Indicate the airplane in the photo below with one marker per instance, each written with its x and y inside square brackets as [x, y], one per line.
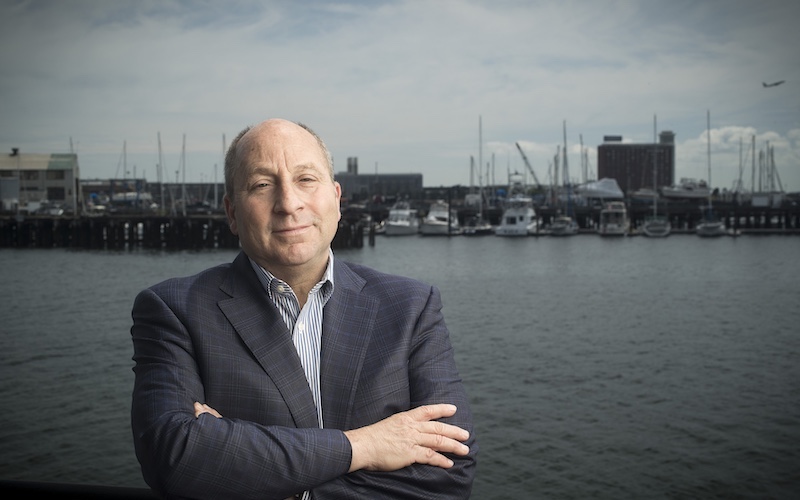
[772, 84]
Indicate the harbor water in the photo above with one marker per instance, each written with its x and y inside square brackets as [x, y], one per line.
[596, 368]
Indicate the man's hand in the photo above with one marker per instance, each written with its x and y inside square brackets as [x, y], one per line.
[406, 438]
[199, 409]
[398, 441]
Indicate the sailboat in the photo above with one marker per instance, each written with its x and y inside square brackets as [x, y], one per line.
[656, 226]
[710, 225]
[477, 225]
[564, 224]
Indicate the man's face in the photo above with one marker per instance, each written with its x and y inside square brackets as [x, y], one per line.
[285, 209]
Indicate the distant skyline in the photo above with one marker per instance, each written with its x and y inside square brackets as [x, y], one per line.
[401, 84]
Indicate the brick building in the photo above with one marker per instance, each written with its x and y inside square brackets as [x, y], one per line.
[632, 164]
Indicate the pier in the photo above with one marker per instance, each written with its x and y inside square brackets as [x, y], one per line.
[208, 231]
[130, 231]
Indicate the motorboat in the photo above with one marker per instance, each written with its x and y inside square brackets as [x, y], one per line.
[519, 217]
[402, 220]
[614, 220]
[563, 225]
[441, 220]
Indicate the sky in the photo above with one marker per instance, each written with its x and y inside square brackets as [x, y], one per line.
[428, 87]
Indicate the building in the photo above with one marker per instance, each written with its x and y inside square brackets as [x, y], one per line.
[632, 164]
[361, 187]
[32, 181]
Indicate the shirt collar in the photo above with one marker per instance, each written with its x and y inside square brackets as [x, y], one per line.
[270, 282]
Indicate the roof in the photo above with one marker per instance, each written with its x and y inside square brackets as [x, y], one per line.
[38, 161]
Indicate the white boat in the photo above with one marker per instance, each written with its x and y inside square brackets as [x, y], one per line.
[519, 217]
[614, 220]
[440, 221]
[402, 220]
[604, 189]
[687, 188]
[710, 225]
[563, 225]
[656, 226]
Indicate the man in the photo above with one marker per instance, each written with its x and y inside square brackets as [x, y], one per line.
[289, 372]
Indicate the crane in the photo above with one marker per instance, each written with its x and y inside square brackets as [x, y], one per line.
[528, 164]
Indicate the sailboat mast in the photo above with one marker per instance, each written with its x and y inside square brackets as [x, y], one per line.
[565, 170]
[708, 153]
[655, 183]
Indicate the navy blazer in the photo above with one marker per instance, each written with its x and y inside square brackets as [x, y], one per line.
[217, 338]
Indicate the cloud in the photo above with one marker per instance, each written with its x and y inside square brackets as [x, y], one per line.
[400, 84]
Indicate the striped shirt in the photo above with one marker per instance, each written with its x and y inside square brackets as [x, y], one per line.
[305, 324]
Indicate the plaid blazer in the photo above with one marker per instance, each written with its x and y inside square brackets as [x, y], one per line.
[217, 338]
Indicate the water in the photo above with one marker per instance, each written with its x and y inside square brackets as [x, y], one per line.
[622, 368]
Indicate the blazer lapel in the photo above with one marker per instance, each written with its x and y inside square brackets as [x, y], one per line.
[263, 331]
[347, 324]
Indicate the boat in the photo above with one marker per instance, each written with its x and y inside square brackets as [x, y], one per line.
[519, 217]
[402, 220]
[687, 189]
[477, 226]
[603, 189]
[710, 225]
[440, 220]
[656, 226]
[563, 225]
[614, 220]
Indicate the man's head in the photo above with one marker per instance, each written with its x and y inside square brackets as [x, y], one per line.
[280, 196]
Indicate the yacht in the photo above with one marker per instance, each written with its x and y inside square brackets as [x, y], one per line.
[440, 221]
[614, 220]
[519, 217]
[402, 220]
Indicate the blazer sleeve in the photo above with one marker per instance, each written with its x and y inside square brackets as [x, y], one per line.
[186, 457]
[410, 362]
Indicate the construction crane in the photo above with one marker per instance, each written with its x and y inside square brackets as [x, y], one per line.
[528, 164]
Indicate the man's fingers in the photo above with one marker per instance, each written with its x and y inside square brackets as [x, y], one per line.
[200, 408]
[432, 412]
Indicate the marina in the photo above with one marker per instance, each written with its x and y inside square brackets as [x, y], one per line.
[205, 231]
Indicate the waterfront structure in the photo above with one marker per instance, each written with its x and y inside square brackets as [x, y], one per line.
[632, 164]
[359, 187]
[30, 182]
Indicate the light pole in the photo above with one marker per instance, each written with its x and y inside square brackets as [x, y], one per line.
[15, 152]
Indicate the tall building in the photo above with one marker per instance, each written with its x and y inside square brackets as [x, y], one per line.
[632, 164]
